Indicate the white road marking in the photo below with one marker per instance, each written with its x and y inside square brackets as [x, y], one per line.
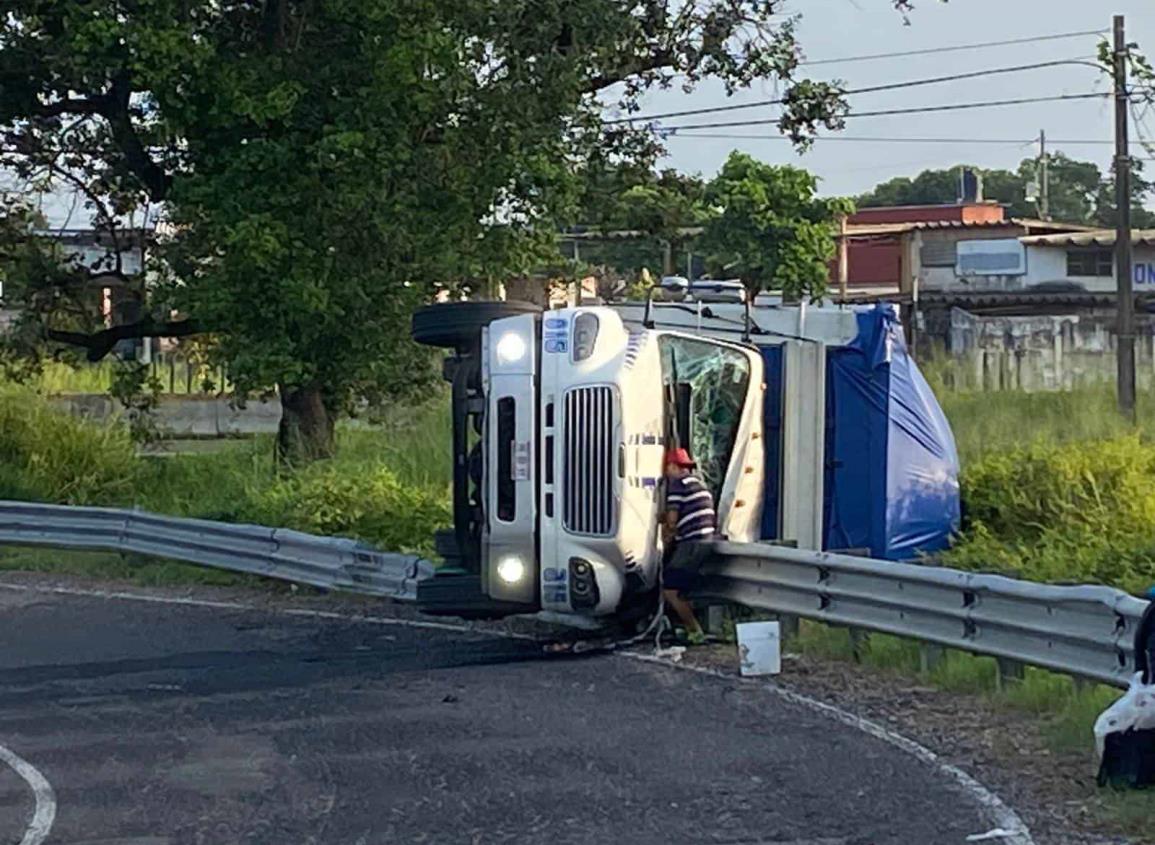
[999, 813]
[45, 813]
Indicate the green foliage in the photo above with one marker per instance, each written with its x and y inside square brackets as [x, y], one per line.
[137, 390]
[770, 229]
[373, 506]
[1077, 512]
[1079, 192]
[325, 165]
[390, 486]
[50, 457]
[1057, 486]
[1028, 491]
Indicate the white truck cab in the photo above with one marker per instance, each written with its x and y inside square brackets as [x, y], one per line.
[561, 422]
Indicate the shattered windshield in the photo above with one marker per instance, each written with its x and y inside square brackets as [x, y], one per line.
[713, 381]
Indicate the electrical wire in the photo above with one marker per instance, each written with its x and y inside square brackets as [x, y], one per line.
[892, 86]
[862, 139]
[886, 112]
[952, 49]
[1022, 142]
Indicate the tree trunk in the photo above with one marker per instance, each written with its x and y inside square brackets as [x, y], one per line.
[306, 430]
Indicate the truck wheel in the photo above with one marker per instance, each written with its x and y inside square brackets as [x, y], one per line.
[457, 325]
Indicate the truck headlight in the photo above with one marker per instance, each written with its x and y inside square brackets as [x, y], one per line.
[511, 348]
[511, 569]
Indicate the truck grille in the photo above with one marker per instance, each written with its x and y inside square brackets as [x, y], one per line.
[589, 461]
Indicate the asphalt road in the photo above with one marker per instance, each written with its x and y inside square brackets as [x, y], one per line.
[159, 724]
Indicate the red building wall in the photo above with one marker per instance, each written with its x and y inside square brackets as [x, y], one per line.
[971, 213]
[874, 262]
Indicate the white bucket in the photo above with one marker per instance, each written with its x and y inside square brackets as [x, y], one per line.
[760, 648]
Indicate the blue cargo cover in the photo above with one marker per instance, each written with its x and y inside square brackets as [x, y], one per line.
[891, 463]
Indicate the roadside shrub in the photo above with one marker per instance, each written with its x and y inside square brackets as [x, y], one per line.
[53, 457]
[372, 505]
[1076, 512]
[1102, 486]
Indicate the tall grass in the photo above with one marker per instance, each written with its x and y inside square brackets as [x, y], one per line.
[47, 456]
[59, 378]
[997, 421]
[176, 376]
[389, 484]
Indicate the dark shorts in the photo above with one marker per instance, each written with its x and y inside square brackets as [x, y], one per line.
[683, 565]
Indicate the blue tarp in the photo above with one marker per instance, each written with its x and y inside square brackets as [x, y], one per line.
[891, 463]
[772, 437]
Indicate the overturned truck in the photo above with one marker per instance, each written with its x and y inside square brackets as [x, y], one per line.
[811, 426]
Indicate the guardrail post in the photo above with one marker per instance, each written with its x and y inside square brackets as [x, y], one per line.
[789, 626]
[859, 642]
[930, 656]
[1011, 672]
[716, 619]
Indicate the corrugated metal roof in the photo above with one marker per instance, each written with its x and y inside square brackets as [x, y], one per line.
[1096, 237]
[868, 229]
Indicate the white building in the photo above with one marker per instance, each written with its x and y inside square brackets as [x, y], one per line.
[1066, 261]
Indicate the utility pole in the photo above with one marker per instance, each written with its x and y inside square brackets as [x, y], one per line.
[1125, 297]
[1044, 178]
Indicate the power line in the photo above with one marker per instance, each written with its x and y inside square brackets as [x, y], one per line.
[892, 86]
[894, 140]
[953, 49]
[885, 112]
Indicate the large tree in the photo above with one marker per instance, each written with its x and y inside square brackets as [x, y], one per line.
[321, 164]
[770, 229]
[655, 208]
[1079, 191]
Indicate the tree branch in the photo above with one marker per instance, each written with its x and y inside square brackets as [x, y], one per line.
[99, 344]
[656, 61]
[154, 178]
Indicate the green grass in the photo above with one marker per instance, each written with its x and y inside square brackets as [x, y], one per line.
[58, 378]
[993, 422]
[389, 484]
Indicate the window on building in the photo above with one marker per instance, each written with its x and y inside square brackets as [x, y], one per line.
[1097, 261]
[939, 253]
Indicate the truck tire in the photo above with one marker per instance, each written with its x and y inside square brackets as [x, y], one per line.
[457, 325]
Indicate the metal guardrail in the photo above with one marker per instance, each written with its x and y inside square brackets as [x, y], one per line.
[327, 562]
[1085, 631]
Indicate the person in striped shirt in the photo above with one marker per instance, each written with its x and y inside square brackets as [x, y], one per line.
[688, 528]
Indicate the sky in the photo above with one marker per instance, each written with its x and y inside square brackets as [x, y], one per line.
[834, 29]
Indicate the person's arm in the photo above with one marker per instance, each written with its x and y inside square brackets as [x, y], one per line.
[669, 525]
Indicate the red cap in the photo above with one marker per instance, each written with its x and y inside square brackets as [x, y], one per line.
[680, 457]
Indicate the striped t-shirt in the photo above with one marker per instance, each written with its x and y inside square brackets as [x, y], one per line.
[695, 507]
